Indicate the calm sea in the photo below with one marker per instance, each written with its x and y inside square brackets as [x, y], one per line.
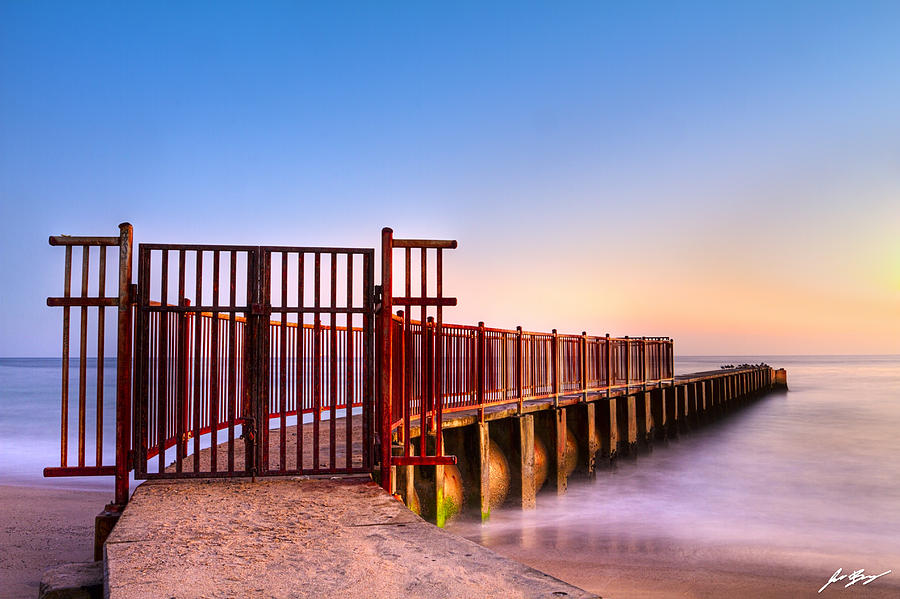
[30, 408]
[806, 479]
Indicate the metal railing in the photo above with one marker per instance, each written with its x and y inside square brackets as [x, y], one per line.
[211, 380]
[84, 301]
[483, 367]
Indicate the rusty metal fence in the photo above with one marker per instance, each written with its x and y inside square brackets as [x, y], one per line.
[84, 301]
[483, 367]
[265, 360]
[238, 357]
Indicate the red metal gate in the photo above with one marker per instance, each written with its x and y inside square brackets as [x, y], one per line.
[255, 360]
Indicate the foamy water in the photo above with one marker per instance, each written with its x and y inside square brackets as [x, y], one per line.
[808, 478]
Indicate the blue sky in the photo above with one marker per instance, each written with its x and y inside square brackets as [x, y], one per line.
[726, 174]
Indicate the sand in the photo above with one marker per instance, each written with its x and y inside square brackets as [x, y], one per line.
[41, 527]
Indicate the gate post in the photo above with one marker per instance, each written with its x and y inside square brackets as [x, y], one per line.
[554, 372]
[386, 367]
[123, 366]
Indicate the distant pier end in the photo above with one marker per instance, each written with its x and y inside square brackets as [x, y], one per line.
[781, 378]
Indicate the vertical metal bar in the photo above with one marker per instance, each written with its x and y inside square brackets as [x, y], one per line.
[609, 367]
[64, 411]
[82, 359]
[644, 362]
[101, 321]
[368, 360]
[182, 389]
[317, 364]
[214, 368]
[301, 366]
[249, 364]
[554, 361]
[182, 374]
[439, 360]
[424, 425]
[333, 370]
[264, 360]
[584, 385]
[198, 362]
[123, 366]
[407, 353]
[428, 377]
[349, 369]
[479, 370]
[627, 363]
[405, 378]
[282, 454]
[162, 361]
[386, 326]
[139, 375]
[520, 364]
[232, 360]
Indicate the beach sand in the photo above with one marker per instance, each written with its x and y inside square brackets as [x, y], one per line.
[41, 527]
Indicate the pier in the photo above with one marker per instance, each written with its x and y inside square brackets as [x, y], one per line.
[278, 366]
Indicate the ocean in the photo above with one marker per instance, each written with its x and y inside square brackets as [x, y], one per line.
[30, 420]
[807, 479]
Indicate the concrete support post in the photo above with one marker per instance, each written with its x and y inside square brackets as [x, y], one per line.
[672, 413]
[694, 402]
[644, 416]
[592, 439]
[560, 450]
[408, 487]
[440, 503]
[689, 412]
[609, 427]
[658, 411]
[627, 418]
[681, 406]
[484, 469]
[526, 440]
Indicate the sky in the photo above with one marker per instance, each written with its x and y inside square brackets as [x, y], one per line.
[727, 174]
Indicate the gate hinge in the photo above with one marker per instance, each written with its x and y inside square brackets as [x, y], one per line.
[256, 309]
[132, 294]
[378, 297]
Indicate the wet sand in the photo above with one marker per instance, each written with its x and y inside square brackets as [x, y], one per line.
[630, 575]
[42, 527]
[623, 568]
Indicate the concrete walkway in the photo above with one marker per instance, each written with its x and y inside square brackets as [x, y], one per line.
[299, 538]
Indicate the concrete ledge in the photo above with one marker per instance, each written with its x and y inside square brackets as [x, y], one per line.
[73, 581]
[299, 538]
